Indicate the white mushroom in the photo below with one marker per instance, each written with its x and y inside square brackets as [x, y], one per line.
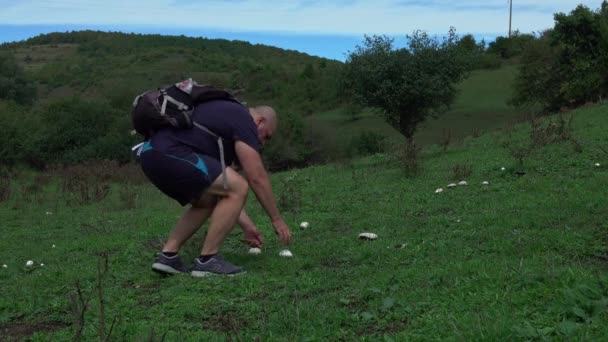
[463, 183]
[304, 225]
[255, 250]
[502, 168]
[368, 236]
[285, 253]
[438, 190]
[597, 164]
[29, 263]
[5, 266]
[485, 183]
[452, 185]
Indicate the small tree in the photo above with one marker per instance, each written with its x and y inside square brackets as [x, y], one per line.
[406, 84]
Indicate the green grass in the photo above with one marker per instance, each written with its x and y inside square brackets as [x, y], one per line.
[481, 105]
[521, 259]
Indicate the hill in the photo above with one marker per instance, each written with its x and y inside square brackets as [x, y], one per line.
[522, 258]
[104, 71]
[117, 63]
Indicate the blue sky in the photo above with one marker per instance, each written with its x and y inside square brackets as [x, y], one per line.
[323, 28]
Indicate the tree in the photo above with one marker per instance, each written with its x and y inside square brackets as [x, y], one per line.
[568, 65]
[509, 47]
[537, 83]
[406, 84]
[581, 39]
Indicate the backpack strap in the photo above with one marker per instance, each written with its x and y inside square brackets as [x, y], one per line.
[168, 98]
[220, 142]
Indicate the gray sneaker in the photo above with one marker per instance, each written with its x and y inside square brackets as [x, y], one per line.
[168, 265]
[215, 266]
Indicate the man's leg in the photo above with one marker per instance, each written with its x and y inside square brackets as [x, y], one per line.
[190, 221]
[226, 211]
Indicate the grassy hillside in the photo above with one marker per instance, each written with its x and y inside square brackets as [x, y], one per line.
[117, 66]
[481, 105]
[523, 258]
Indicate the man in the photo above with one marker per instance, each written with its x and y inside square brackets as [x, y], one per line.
[185, 165]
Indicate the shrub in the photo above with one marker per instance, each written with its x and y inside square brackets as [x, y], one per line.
[460, 172]
[5, 185]
[489, 61]
[407, 156]
[367, 142]
[14, 85]
[76, 130]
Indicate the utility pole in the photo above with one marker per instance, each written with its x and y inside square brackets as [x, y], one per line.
[510, 15]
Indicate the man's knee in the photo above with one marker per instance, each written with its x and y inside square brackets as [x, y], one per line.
[237, 184]
[206, 201]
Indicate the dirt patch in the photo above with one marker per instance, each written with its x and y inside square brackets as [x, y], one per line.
[154, 245]
[224, 322]
[380, 330]
[334, 263]
[316, 293]
[17, 331]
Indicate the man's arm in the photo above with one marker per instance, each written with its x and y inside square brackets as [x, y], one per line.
[245, 222]
[259, 181]
[252, 235]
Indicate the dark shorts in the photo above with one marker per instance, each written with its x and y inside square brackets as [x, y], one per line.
[182, 177]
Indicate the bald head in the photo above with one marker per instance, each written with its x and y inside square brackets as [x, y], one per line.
[266, 112]
[265, 119]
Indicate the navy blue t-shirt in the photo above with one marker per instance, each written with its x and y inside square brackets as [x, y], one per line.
[228, 119]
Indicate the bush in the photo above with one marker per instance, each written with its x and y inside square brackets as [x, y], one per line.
[367, 142]
[287, 149]
[489, 61]
[12, 133]
[13, 83]
[75, 130]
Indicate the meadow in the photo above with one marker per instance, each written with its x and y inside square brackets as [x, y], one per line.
[522, 258]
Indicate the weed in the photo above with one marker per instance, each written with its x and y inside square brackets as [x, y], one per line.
[407, 156]
[461, 171]
[553, 131]
[290, 198]
[367, 142]
[128, 196]
[446, 139]
[80, 303]
[84, 184]
[477, 132]
[5, 186]
[518, 149]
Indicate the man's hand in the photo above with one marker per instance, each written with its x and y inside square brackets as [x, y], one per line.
[280, 227]
[253, 237]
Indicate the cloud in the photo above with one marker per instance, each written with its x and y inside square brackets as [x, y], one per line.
[347, 17]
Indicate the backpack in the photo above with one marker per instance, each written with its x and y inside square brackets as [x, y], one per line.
[172, 106]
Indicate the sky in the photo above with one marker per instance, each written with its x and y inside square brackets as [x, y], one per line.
[323, 28]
